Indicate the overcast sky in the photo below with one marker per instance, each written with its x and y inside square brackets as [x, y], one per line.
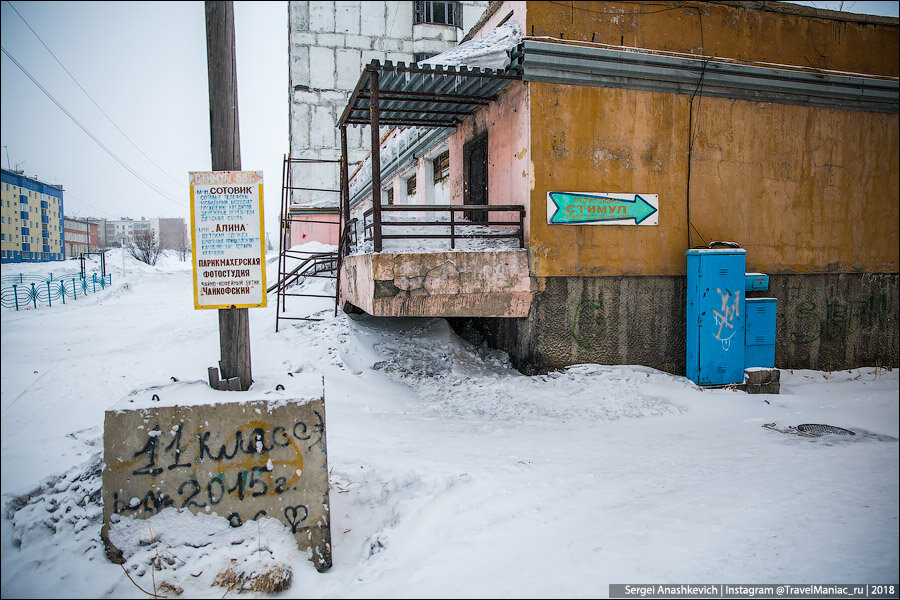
[144, 64]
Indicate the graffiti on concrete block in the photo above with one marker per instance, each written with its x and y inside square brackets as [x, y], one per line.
[835, 318]
[258, 459]
[240, 461]
[588, 324]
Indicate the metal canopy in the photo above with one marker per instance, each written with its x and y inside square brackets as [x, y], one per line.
[424, 96]
[416, 96]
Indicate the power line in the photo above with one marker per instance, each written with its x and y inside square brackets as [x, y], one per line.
[140, 177]
[119, 129]
[80, 201]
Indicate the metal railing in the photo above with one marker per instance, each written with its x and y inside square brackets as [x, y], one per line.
[32, 289]
[473, 222]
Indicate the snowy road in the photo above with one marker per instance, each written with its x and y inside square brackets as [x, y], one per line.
[452, 474]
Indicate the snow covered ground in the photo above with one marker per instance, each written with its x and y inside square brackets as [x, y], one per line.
[452, 475]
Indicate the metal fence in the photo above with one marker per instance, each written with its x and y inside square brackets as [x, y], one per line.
[21, 292]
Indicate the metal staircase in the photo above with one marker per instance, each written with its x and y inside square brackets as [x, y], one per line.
[312, 264]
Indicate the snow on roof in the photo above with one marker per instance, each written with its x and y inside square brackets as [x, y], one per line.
[490, 51]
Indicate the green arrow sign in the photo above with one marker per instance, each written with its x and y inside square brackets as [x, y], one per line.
[602, 209]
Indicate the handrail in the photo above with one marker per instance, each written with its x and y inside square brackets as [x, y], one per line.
[452, 222]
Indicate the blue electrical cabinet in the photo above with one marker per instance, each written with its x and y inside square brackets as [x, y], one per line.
[715, 315]
[760, 332]
[756, 282]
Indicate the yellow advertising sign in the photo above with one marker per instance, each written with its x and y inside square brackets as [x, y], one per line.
[227, 239]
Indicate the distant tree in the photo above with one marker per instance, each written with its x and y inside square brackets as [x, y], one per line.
[183, 250]
[145, 247]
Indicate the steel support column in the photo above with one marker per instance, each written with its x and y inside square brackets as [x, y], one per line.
[376, 161]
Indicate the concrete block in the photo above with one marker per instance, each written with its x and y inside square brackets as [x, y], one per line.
[298, 15]
[300, 66]
[331, 40]
[302, 38]
[335, 99]
[426, 31]
[322, 132]
[391, 45]
[398, 57]
[321, 68]
[239, 455]
[346, 17]
[304, 98]
[760, 376]
[369, 55]
[321, 16]
[360, 42]
[300, 126]
[400, 19]
[372, 19]
[764, 388]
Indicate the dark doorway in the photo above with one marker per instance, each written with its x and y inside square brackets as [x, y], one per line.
[475, 164]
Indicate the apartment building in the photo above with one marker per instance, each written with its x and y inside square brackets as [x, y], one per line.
[31, 219]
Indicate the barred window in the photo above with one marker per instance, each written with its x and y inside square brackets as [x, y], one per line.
[442, 167]
[411, 186]
[439, 13]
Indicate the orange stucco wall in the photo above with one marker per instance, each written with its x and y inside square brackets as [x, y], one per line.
[804, 189]
[786, 34]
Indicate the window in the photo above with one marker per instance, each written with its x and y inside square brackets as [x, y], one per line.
[411, 186]
[442, 167]
[389, 196]
[439, 13]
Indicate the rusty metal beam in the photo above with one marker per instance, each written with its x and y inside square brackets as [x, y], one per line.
[376, 161]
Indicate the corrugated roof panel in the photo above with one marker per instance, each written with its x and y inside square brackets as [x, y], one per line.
[430, 96]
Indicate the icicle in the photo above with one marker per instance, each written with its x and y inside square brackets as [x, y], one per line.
[407, 76]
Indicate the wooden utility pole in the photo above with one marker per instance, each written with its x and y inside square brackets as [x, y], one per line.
[225, 142]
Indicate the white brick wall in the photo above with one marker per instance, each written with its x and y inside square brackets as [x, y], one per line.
[330, 43]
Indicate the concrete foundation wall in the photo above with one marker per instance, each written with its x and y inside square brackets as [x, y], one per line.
[438, 284]
[827, 322]
[836, 321]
